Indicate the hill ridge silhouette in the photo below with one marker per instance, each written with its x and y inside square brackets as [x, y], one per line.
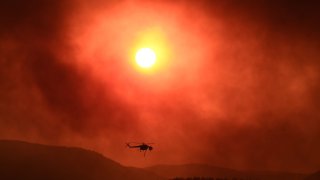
[314, 176]
[207, 170]
[23, 160]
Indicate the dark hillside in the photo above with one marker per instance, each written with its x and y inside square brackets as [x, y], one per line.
[202, 170]
[315, 176]
[21, 160]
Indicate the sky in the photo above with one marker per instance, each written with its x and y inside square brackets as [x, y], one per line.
[236, 83]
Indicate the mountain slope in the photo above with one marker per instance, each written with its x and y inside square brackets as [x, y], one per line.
[21, 160]
[315, 176]
[201, 170]
[192, 170]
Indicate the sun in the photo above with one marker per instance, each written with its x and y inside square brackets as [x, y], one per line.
[145, 57]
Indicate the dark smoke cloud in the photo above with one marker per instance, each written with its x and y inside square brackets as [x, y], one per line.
[241, 90]
[45, 97]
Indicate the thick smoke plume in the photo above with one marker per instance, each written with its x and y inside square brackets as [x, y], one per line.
[238, 85]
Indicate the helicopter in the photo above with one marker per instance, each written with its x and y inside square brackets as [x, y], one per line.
[142, 147]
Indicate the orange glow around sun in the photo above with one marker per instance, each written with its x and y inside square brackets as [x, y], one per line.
[151, 50]
[139, 45]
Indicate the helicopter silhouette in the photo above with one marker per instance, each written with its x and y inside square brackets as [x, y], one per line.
[142, 147]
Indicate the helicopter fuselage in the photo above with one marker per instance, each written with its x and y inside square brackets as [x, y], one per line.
[142, 147]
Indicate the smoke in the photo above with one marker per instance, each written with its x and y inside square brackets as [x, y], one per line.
[237, 85]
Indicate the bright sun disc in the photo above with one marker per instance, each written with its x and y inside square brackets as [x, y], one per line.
[145, 57]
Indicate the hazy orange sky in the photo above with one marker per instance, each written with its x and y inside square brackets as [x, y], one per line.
[236, 83]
